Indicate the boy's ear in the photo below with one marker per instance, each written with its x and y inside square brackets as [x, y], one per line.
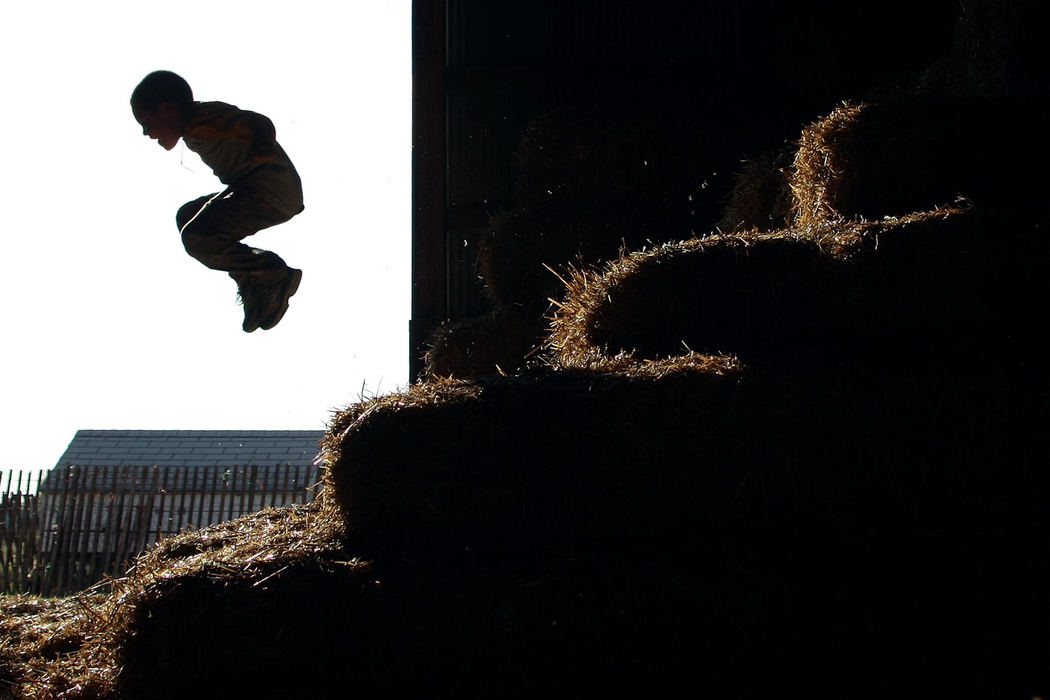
[170, 112]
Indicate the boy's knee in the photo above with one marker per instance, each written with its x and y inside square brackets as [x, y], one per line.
[203, 243]
[189, 210]
[194, 243]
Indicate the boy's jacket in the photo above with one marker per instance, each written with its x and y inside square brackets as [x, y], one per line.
[236, 142]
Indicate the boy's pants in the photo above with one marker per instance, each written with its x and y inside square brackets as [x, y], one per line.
[213, 226]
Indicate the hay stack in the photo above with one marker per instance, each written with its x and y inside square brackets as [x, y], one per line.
[269, 606]
[869, 255]
[549, 461]
[497, 342]
[930, 280]
[210, 611]
[697, 516]
[760, 199]
[589, 183]
[893, 158]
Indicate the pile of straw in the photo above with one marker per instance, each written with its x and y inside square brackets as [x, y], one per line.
[496, 342]
[39, 638]
[760, 199]
[898, 156]
[881, 233]
[929, 279]
[207, 611]
[589, 183]
[892, 158]
[544, 461]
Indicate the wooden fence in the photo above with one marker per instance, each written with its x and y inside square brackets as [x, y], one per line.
[63, 530]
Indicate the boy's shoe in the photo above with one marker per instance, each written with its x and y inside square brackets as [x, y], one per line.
[276, 298]
[248, 295]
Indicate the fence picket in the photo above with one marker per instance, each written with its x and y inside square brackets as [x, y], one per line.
[86, 522]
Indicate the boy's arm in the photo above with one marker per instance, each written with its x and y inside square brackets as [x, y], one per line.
[219, 122]
[263, 137]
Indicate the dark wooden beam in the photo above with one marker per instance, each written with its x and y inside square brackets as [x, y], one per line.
[429, 266]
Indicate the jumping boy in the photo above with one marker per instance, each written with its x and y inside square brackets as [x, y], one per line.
[262, 190]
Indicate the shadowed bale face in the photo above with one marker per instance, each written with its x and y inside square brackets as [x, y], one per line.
[866, 293]
[738, 298]
[562, 461]
[899, 156]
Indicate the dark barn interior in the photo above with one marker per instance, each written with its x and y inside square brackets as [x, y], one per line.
[694, 87]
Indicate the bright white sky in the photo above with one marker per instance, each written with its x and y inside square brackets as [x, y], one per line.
[107, 323]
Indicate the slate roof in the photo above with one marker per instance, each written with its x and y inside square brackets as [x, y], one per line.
[191, 448]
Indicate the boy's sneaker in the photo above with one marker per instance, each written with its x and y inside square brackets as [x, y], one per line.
[248, 296]
[276, 298]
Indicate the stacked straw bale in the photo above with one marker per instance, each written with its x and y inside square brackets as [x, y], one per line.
[759, 199]
[872, 253]
[558, 461]
[893, 158]
[692, 516]
[209, 612]
[589, 183]
[927, 281]
[899, 156]
[494, 342]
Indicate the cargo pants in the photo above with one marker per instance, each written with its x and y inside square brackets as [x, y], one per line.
[213, 227]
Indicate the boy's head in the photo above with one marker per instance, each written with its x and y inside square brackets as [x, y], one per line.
[160, 104]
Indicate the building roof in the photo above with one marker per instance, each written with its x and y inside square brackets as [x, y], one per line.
[191, 448]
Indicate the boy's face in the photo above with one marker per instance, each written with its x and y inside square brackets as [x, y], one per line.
[162, 124]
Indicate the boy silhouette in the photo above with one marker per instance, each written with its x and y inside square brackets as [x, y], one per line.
[262, 190]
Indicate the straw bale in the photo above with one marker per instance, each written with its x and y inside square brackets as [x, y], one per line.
[512, 257]
[522, 243]
[724, 294]
[899, 156]
[496, 342]
[278, 631]
[269, 606]
[840, 288]
[774, 516]
[894, 157]
[463, 626]
[544, 460]
[106, 642]
[760, 198]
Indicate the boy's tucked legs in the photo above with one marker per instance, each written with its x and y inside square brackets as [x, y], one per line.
[212, 228]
